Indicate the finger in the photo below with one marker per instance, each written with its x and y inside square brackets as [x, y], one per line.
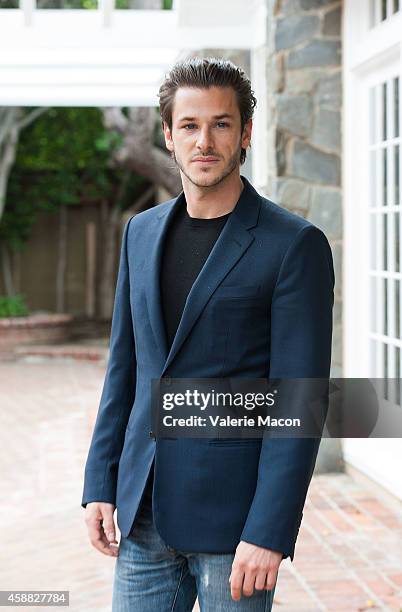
[94, 528]
[261, 581]
[236, 583]
[249, 581]
[101, 543]
[108, 527]
[271, 578]
[106, 541]
[99, 540]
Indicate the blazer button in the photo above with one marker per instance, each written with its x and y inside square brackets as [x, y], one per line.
[151, 434]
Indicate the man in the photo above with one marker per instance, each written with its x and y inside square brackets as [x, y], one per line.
[217, 282]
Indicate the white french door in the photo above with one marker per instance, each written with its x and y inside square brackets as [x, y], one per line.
[372, 164]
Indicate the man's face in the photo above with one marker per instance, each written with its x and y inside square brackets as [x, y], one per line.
[206, 140]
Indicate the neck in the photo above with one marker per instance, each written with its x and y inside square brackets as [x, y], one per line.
[214, 201]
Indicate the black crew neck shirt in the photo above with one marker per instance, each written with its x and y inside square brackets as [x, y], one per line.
[187, 246]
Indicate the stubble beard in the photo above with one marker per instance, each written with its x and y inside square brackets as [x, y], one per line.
[207, 181]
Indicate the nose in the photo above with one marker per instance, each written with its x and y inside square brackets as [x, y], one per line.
[204, 139]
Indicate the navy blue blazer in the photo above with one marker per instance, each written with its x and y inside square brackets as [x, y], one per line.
[260, 307]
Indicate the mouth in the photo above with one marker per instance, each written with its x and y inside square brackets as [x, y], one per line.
[206, 160]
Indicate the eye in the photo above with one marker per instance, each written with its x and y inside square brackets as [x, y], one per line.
[189, 125]
[222, 124]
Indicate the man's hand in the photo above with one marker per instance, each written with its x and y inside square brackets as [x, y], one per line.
[256, 566]
[101, 529]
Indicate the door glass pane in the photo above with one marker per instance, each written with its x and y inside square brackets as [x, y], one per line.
[385, 242]
[385, 302]
[373, 177]
[383, 9]
[386, 371]
[398, 375]
[372, 114]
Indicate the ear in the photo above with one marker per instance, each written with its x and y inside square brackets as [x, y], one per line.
[168, 137]
[246, 136]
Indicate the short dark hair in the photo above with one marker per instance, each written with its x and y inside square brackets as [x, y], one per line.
[204, 73]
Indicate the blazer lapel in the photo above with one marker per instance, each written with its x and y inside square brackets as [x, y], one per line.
[152, 270]
[233, 241]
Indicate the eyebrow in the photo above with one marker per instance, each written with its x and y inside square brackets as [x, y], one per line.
[223, 116]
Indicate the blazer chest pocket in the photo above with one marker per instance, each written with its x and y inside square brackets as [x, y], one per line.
[240, 326]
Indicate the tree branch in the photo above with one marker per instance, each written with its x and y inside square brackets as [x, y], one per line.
[32, 116]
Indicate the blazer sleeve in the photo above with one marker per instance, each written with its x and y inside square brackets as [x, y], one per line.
[301, 337]
[117, 397]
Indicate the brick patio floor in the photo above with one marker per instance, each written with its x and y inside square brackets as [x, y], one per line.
[348, 554]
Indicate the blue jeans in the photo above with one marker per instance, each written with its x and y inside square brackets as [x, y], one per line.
[150, 576]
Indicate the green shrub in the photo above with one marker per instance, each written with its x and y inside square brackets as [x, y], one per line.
[14, 306]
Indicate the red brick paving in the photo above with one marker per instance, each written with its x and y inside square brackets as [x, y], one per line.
[348, 555]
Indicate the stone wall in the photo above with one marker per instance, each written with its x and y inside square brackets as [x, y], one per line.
[304, 136]
[304, 121]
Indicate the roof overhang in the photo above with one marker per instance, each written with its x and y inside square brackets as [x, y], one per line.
[109, 57]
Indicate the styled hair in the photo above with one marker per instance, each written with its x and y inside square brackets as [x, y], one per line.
[203, 73]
